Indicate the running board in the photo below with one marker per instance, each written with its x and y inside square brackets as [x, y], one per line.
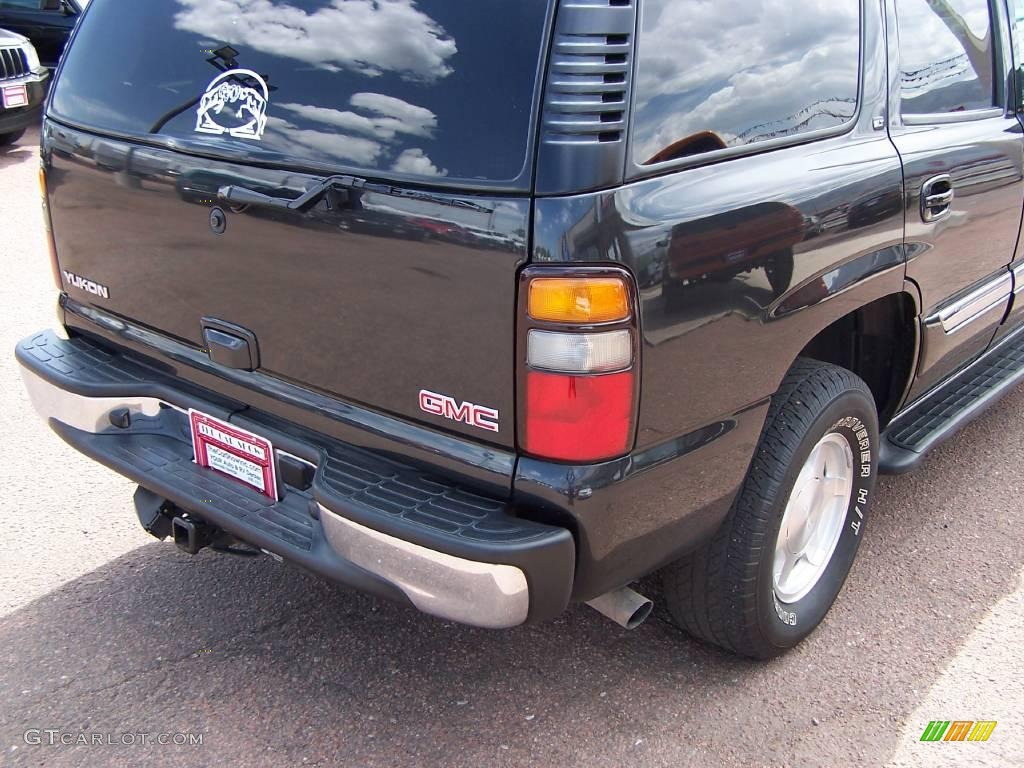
[951, 406]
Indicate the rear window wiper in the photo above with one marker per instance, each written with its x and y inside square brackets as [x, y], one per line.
[237, 196]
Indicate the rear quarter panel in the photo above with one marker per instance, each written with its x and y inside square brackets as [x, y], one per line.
[724, 342]
[717, 348]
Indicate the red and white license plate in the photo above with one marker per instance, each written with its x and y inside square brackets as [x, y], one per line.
[234, 452]
[15, 96]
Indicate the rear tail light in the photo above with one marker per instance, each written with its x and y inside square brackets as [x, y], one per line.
[579, 377]
[48, 228]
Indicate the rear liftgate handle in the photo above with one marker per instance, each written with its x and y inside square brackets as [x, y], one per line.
[937, 198]
[230, 345]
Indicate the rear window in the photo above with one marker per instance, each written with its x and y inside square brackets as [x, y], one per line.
[716, 75]
[424, 89]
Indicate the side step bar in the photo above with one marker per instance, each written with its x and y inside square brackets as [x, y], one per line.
[951, 406]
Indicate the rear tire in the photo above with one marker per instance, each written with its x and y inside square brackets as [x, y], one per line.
[820, 437]
[10, 138]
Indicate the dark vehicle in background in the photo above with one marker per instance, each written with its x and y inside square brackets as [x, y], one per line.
[385, 297]
[23, 82]
[47, 23]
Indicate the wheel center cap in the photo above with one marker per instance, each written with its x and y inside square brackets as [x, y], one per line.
[813, 520]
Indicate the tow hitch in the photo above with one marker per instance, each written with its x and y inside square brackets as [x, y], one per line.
[161, 518]
[191, 535]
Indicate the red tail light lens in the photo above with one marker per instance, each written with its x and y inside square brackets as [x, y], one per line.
[579, 375]
[578, 418]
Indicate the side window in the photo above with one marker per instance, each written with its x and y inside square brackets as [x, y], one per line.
[34, 5]
[946, 56]
[730, 73]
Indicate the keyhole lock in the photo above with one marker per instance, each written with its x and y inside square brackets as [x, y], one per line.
[218, 221]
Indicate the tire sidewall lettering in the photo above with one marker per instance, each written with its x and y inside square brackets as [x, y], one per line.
[859, 437]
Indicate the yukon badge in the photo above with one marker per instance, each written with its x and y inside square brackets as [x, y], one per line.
[231, 106]
[87, 285]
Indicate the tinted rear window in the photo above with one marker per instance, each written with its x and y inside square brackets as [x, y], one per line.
[714, 75]
[409, 88]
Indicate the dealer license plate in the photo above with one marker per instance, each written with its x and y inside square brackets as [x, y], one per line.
[15, 96]
[234, 452]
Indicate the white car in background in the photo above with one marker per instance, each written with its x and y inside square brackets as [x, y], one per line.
[23, 82]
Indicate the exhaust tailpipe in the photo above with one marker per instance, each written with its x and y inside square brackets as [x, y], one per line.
[625, 607]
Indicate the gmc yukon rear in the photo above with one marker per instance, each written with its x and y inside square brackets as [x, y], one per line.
[493, 307]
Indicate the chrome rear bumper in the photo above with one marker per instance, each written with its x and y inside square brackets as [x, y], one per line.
[480, 594]
[319, 527]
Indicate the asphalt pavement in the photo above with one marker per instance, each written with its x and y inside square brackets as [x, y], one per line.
[111, 638]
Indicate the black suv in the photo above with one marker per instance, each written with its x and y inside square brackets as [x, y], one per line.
[23, 82]
[489, 307]
[47, 23]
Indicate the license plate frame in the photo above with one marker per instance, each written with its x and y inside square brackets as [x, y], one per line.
[237, 453]
[15, 96]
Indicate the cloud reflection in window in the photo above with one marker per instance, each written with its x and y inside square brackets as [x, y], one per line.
[771, 71]
[416, 162]
[367, 36]
[386, 120]
[416, 121]
[314, 145]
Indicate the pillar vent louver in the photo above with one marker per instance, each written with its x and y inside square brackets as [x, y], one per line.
[587, 93]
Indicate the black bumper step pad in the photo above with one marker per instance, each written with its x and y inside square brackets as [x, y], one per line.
[356, 478]
[82, 363]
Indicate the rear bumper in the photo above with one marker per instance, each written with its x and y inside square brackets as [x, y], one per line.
[356, 517]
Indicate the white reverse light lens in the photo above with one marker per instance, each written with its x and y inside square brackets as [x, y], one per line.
[33, 58]
[580, 352]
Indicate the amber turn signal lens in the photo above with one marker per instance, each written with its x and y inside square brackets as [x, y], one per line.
[579, 300]
[48, 230]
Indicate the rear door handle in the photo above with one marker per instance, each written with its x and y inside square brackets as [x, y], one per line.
[937, 197]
